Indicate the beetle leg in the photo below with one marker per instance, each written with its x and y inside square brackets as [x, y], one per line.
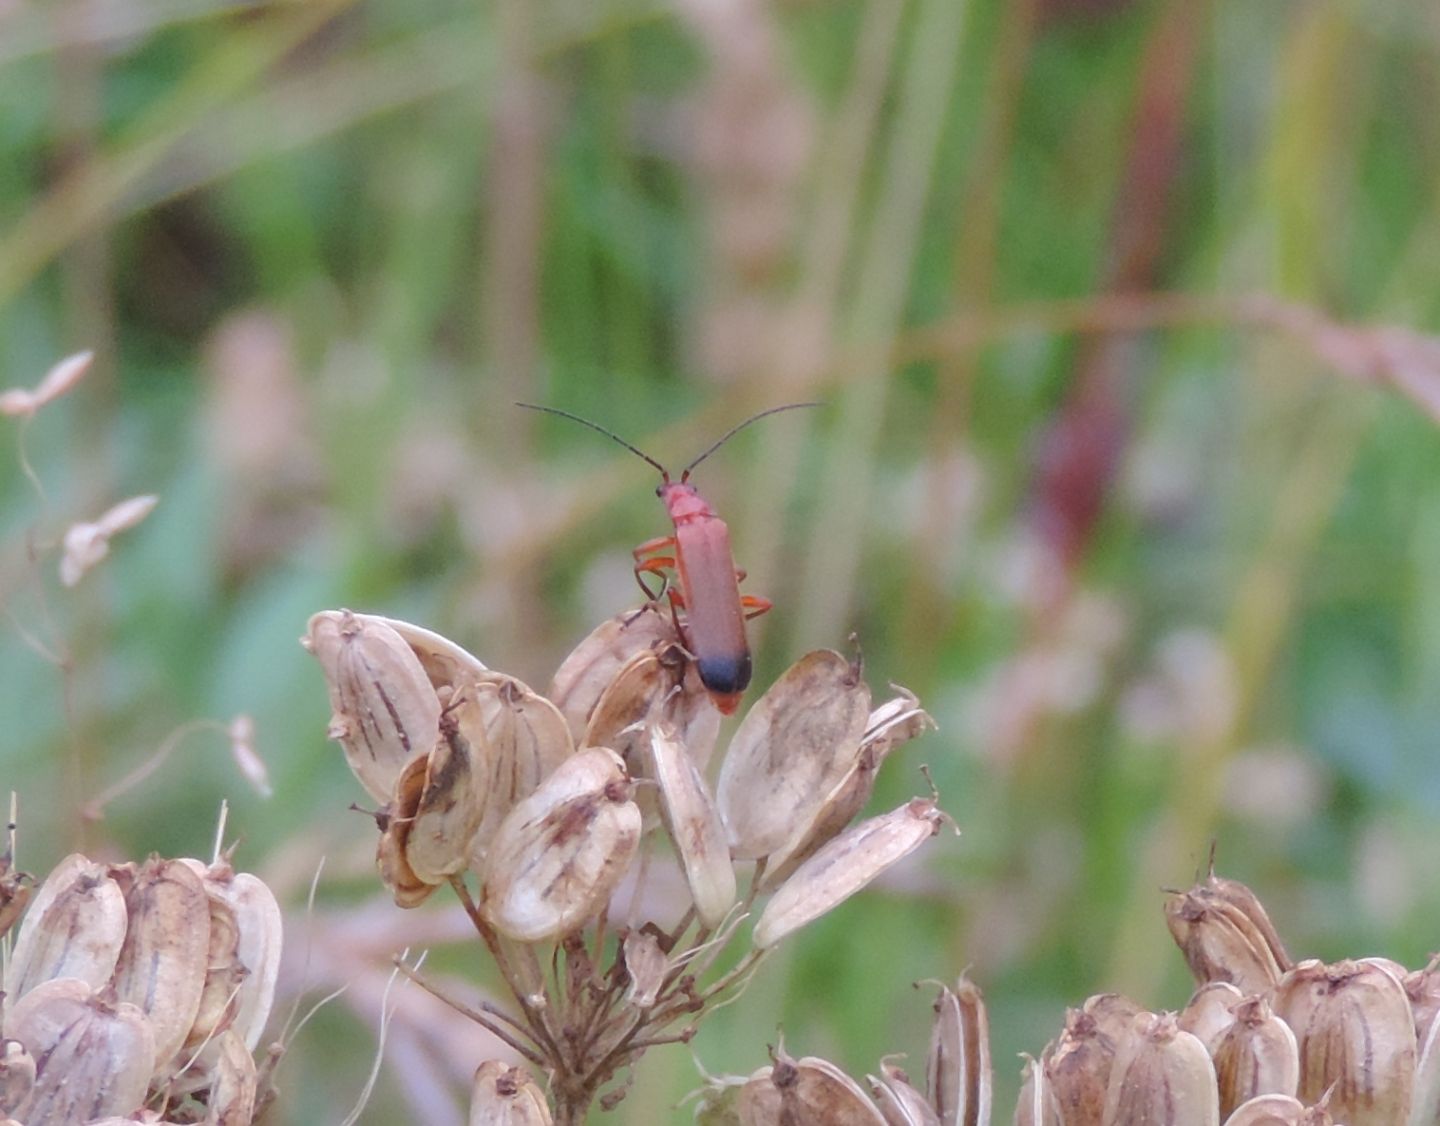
[660, 565]
[754, 605]
[657, 544]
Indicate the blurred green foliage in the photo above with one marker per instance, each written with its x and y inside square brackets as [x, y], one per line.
[319, 248]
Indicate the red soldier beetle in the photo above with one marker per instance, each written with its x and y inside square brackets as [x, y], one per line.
[708, 581]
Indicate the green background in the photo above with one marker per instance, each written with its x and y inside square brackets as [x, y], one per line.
[320, 247]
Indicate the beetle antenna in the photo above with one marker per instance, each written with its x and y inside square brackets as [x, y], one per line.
[739, 427]
[596, 426]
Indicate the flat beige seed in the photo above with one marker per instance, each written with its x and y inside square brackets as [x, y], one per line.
[1423, 989]
[1162, 1076]
[899, 1102]
[502, 1095]
[386, 711]
[232, 1095]
[1225, 935]
[1425, 1111]
[790, 752]
[261, 928]
[844, 866]
[75, 928]
[958, 1073]
[1256, 1055]
[1037, 1105]
[517, 740]
[1356, 1034]
[694, 826]
[224, 975]
[1209, 1013]
[585, 674]
[447, 811]
[809, 1090]
[392, 852]
[161, 967]
[559, 853]
[645, 966]
[94, 1056]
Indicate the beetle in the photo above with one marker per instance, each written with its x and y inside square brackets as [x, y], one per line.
[700, 555]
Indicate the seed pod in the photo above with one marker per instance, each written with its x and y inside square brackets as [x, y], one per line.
[694, 826]
[505, 1096]
[894, 723]
[559, 853]
[392, 852]
[1037, 1105]
[94, 1055]
[958, 1074]
[74, 928]
[1078, 1065]
[446, 664]
[585, 674]
[719, 1103]
[223, 970]
[1225, 935]
[447, 810]
[261, 935]
[386, 711]
[645, 966]
[806, 1090]
[654, 686]
[844, 866]
[161, 967]
[516, 737]
[1209, 1013]
[899, 1102]
[1162, 1076]
[790, 752]
[17, 1076]
[231, 1101]
[1257, 1055]
[1268, 1110]
[1355, 1032]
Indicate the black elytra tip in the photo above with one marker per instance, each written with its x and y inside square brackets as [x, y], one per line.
[725, 675]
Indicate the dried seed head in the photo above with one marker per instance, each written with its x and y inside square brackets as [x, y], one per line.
[1425, 1110]
[805, 1090]
[223, 972]
[645, 966]
[74, 928]
[86, 544]
[895, 722]
[161, 967]
[1209, 1012]
[585, 674]
[505, 1096]
[232, 1082]
[17, 1076]
[1355, 1033]
[261, 934]
[790, 752]
[1225, 935]
[694, 826]
[1268, 1110]
[899, 1102]
[844, 866]
[18, 402]
[1162, 1076]
[1256, 1055]
[94, 1056]
[958, 1073]
[386, 711]
[559, 853]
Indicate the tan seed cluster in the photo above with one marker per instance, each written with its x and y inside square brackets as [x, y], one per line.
[544, 805]
[137, 992]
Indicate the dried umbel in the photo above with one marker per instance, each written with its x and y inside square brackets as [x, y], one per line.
[1319, 1044]
[535, 810]
[135, 986]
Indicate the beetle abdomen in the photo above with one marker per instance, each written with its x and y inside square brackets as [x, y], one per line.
[725, 674]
